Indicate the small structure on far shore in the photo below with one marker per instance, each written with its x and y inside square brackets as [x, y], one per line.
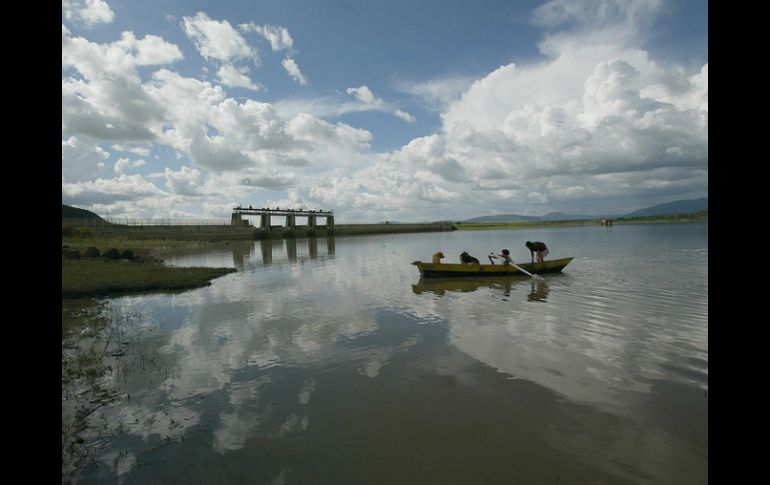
[606, 222]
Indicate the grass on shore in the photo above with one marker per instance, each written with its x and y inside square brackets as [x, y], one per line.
[142, 247]
[100, 277]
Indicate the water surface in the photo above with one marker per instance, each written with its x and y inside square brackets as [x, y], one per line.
[332, 361]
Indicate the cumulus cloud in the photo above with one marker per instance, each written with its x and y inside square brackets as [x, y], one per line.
[108, 191]
[279, 37]
[102, 94]
[123, 163]
[366, 96]
[594, 121]
[216, 39]
[231, 76]
[186, 181]
[293, 69]
[82, 160]
[594, 107]
[87, 12]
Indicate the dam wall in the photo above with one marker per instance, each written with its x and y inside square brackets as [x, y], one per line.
[353, 229]
[235, 232]
[173, 232]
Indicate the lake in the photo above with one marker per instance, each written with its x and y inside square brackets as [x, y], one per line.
[329, 361]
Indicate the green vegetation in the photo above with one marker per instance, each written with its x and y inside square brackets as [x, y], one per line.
[94, 277]
[145, 248]
[522, 224]
[101, 277]
[700, 216]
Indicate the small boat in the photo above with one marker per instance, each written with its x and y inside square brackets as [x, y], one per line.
[429, 270]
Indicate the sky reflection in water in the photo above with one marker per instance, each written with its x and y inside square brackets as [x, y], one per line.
[332, 361]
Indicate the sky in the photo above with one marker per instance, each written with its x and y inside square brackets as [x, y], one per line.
[397, 110]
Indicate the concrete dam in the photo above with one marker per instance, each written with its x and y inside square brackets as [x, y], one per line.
[240, 228]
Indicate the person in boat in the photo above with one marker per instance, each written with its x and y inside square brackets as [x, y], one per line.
[538, 248]
[505, 256]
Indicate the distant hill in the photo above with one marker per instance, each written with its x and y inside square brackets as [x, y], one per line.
[70, 212]
[675, 207]
[504, 218]
[561, 216]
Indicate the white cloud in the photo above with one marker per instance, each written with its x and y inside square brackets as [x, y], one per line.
[102, 94]
[279, 37]
[437, 94]
[366, 96]
[186, 181]
[372, 102]
[590, 108]
[81, 160]
[217, 39]
[109, 191]
[123, 163]
[231, 76]
[293, 69]
[594, 119]
[87, 12]
[142, 151]
[404, 116]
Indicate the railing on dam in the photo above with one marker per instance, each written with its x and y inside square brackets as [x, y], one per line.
[128, 221]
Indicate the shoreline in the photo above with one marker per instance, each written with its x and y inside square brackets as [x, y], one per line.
[676, 219]
[144, 272]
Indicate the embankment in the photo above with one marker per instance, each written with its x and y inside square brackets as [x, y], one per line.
[353, 229]
[180, 232]
[228, 232]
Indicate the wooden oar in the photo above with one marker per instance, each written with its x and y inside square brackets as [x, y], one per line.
[537, 277]
[519, 268]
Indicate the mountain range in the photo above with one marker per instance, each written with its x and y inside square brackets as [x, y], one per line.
[676, 207]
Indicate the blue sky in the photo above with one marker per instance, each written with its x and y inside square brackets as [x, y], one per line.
[383, 110]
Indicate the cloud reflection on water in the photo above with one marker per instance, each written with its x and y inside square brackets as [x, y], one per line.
[257, 336]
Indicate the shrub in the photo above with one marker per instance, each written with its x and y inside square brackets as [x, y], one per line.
[91, 252]
[76, 231]
[71, 253]
[112, 253]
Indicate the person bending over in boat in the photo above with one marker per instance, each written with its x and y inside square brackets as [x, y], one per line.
[506, 257]
[539, 248]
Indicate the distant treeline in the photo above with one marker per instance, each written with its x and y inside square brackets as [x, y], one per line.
[700, 216]
[690, 217]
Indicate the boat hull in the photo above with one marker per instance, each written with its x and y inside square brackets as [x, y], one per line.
[430, 270]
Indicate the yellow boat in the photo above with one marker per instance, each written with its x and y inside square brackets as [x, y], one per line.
[430, 270]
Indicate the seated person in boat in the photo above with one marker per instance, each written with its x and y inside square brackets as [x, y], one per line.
[437, 257]
[538, 248]
[505, 256]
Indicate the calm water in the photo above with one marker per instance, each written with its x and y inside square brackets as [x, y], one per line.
[330, 361]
